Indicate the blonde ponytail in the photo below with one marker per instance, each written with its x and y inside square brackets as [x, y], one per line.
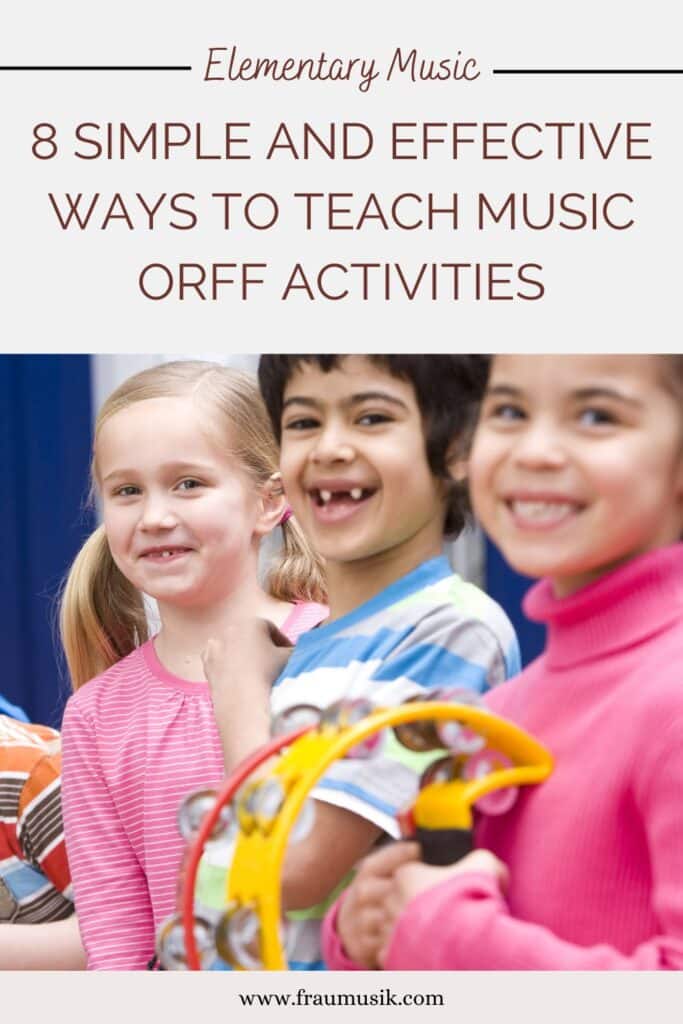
[299, 574]
[102, 616]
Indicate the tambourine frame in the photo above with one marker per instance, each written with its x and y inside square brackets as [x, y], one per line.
[254, 878]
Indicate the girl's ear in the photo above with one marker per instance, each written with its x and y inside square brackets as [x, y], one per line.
[273, 503]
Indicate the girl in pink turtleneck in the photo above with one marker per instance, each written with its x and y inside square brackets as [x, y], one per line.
[577, 474]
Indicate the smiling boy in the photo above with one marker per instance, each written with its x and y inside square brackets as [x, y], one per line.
[373, 453]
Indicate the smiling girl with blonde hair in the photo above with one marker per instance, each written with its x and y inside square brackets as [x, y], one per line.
[186, 467]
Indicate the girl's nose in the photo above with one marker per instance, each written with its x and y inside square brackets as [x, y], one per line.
[157, 515]
[540, 446]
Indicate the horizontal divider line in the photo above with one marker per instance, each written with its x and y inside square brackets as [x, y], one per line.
[588, 71]
[96, 67]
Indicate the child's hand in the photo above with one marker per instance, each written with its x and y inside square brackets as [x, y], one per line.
[384, 885]
[241, 665]
[249, 652]
[360, 923]
[411, 879]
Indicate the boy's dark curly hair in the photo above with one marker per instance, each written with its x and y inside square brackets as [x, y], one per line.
[448, 389]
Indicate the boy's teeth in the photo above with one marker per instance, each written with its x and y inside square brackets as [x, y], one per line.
[356, 493]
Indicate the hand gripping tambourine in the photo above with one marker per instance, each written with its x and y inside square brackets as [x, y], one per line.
[480, 759]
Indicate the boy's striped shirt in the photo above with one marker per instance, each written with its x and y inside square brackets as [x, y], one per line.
[429, 629]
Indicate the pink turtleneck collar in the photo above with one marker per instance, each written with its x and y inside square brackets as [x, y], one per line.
[622, 608]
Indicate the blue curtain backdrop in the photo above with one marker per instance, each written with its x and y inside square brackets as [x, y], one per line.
[45, 437]
[508, 588]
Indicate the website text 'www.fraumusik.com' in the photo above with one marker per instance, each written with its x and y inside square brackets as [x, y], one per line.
[303, 997]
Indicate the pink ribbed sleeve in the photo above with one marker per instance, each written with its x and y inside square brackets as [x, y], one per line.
[477, 932]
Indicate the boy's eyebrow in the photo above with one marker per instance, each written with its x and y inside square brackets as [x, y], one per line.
[373, 396]
[356, 399]
[299, 400]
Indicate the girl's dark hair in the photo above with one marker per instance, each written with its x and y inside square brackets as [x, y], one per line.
[448, 390]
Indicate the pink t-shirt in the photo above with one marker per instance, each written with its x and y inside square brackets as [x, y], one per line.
[136, 740]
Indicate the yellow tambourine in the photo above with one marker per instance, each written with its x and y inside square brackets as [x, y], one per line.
[480, 757]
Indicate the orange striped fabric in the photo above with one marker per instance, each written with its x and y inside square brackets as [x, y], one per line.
[35, 883]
